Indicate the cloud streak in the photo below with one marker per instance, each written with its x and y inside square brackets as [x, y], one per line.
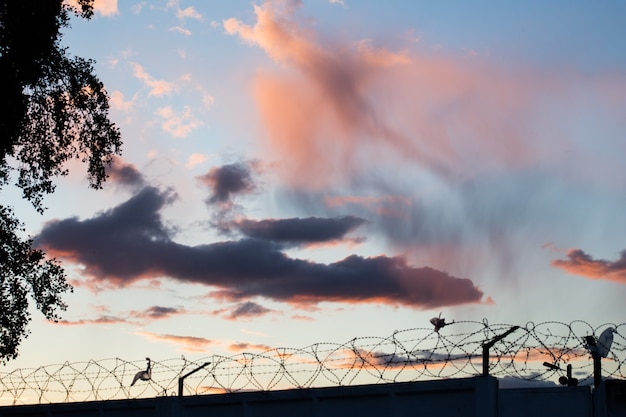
[133, 244]
[243, 346]
[138, 317]
[244, 310]
[186, 343]
[300, 231]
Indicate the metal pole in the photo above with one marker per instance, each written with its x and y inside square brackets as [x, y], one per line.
[488, 345]
[182, 378]
[597, 370]
[485, 360]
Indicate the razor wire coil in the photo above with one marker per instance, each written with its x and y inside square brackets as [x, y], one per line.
[406, 355]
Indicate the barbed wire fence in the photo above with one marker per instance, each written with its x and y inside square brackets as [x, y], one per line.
[455, 351]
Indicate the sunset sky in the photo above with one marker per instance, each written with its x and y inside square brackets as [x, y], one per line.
[306, 171]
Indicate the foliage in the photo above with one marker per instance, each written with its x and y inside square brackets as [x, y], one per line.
[24, 271]
[52, 109]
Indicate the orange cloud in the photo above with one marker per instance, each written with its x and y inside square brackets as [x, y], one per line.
[106, 7]
[102, 7]
[186, 343]
[465, 362]
[118, 102]
[212, 390]
[580, 263]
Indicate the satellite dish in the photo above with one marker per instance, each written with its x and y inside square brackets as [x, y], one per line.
[603, 346]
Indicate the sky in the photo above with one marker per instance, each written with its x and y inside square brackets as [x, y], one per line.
[296, 172]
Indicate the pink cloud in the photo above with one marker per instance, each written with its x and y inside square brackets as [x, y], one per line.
[186, 343]
[137, 317]
[122, 173]
[178, 123]
[580, 263]
[196, 159]
[335, 108]
[118, 102]
[106, 7]
[157, 313]
[390, 205]
[157, 87]
[301, 317]
[238, 347]
[188, 13]
[100, 320]
[102, 7]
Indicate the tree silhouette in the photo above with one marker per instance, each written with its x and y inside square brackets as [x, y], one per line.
[53, 108]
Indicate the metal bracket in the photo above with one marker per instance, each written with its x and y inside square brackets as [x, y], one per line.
[182, 378]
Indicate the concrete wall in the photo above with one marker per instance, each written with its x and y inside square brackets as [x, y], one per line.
[445, 398]
[610, 399]
[557, 401]
[479, 397]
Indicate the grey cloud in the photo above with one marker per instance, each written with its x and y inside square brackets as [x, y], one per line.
[125, 174]
[227, 181]
[247, 309]
[129, 243]
[300, 230]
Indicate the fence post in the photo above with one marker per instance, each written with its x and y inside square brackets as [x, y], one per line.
[488, 345]
[182, 378]
[597, 369]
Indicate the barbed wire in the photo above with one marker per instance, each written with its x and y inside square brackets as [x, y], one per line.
[455, 351]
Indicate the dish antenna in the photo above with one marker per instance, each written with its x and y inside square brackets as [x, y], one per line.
[599, 349]
[602, 346]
